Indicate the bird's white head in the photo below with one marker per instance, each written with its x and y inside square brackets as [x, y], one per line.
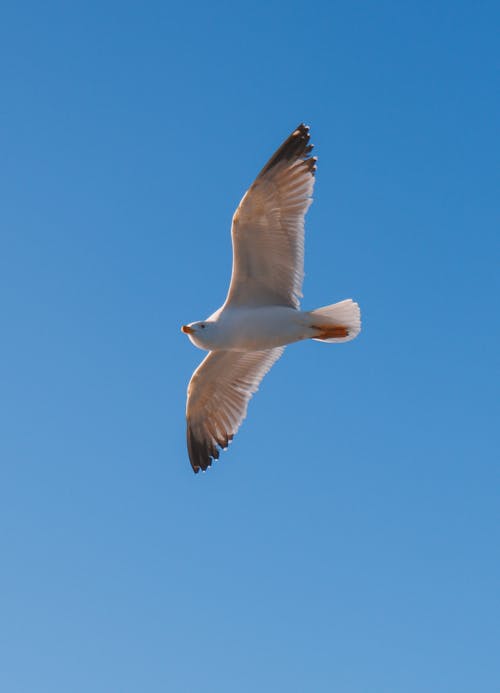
[200, 333]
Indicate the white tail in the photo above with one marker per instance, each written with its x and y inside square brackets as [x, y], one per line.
[339, 322]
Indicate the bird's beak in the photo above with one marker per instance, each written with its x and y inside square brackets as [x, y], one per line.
[187, 330]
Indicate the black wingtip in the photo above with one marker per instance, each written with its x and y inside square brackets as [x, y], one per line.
[203, 452]
[297, 146]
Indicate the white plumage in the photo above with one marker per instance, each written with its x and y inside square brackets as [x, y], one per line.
[261, 314]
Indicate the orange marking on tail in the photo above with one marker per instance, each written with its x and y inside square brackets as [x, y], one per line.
[331, 331]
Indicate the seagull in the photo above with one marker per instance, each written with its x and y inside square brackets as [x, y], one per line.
[261, 313]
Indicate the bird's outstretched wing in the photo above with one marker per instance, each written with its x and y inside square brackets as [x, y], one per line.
[268, 228]
[218, 396]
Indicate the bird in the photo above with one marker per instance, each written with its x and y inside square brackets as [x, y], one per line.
[261, 313]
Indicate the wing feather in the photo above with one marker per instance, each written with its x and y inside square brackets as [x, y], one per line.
[268, 228]
[218, 396]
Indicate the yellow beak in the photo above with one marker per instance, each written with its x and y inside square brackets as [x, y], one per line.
[187, 330]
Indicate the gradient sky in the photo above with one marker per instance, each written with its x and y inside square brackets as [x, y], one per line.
[348, 540]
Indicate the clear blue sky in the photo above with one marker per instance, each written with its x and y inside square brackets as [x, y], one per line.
[347, 541]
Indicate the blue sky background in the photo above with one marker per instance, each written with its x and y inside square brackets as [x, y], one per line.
[348, 540]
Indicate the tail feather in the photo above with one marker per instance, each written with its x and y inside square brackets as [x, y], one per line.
[339, 322]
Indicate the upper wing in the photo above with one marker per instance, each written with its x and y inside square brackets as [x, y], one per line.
[268, 228]
[218, 396]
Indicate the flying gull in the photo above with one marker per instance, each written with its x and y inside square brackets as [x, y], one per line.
[261, 313]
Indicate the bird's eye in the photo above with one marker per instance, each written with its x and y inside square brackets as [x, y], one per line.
[202, 327]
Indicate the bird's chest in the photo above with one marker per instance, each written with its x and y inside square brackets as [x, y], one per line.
[259, 328]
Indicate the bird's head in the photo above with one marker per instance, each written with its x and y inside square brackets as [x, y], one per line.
[200, 333]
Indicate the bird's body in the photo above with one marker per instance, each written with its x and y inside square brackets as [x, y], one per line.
[252, 328]
[261, 314]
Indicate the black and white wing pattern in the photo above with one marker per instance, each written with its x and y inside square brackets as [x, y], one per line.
[268, 228]
[218, 396]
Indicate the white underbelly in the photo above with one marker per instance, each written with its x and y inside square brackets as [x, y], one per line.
[254, 329]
